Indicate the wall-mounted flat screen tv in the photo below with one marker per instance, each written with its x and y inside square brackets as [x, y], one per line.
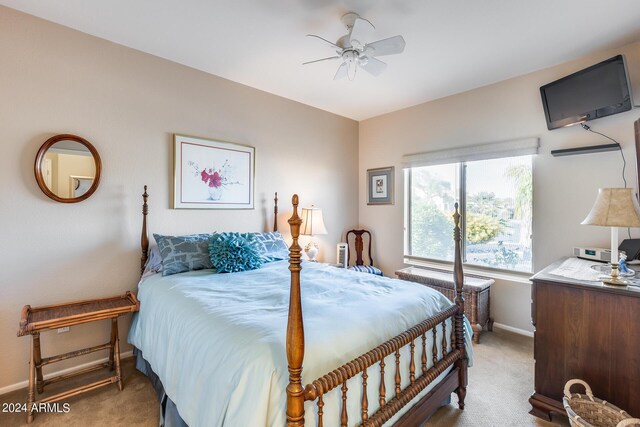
[598, 91]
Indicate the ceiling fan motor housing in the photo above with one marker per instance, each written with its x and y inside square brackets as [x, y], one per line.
[350, 55]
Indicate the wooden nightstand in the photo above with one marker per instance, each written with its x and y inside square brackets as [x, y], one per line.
[38, 319]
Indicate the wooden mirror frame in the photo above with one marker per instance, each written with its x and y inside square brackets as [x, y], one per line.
[40, 157]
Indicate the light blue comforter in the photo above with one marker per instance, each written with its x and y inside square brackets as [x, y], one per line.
[217, 341]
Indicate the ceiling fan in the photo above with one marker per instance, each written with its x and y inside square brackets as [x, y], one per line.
[355, 52]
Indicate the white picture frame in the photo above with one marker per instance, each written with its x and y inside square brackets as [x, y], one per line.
[210, 174]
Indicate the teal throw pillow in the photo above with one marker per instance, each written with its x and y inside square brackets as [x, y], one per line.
[232, 252]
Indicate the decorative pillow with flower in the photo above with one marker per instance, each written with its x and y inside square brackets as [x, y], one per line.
[233, 252]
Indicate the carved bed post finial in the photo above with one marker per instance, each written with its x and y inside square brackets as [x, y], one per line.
[275, 213]
[295, 328]
[144, 238]
[458, 279]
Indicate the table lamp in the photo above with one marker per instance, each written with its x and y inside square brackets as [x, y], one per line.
[312, 225]
[614, 207]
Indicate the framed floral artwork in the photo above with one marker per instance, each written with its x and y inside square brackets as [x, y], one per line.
[380, 186]
[212, 174]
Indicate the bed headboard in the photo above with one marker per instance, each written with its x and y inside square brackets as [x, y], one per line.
[144, 238]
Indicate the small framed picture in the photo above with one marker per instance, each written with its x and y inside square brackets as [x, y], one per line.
[212, 174]
[380, 186]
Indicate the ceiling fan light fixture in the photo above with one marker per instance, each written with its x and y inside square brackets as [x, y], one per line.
[350, 56]
[356, 53]
[351, 70]
[357, 44]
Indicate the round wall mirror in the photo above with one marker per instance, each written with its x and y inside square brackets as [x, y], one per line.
[68, 168]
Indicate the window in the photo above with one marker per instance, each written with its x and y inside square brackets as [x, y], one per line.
[495, 198]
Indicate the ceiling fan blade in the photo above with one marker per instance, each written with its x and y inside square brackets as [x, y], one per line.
[358, 31]
[342, 71]
[389, 46]
[374, 66]
[325, 40]
[320, 60]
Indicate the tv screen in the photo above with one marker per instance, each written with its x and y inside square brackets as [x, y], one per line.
[598, 91]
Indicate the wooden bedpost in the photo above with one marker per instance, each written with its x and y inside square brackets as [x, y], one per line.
[275, 213]
[636, 127]
[295, 328]
[458, 279]
[144, 238]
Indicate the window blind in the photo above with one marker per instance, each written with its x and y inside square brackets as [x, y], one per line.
[495, 150]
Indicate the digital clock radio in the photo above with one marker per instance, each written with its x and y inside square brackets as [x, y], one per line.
[593, 254]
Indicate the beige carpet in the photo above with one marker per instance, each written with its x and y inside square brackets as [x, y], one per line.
[499, 385]
[136, 405]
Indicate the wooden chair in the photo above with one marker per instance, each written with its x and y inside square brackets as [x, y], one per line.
[359, 247]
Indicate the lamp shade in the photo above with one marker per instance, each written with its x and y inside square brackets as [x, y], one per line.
[614, 207]
[312, 222]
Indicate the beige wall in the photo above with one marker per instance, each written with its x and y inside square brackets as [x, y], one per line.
[128, 104]
[564, 188]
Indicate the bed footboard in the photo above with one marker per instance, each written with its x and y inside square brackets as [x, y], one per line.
[441, 360]
[452, 353]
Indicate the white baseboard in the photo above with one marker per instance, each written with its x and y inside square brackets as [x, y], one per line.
[512, 329]
[25, 383]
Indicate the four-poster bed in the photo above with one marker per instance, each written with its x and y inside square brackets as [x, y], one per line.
[456, 380]
[416, 369]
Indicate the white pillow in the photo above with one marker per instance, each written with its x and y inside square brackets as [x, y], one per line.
[154, 262]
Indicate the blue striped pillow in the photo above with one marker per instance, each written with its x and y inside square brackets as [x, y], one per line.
[366, 269]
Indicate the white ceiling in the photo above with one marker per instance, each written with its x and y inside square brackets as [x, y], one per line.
[452, 45]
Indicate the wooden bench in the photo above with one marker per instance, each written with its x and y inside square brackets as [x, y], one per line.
[476, 292]
[38, 319]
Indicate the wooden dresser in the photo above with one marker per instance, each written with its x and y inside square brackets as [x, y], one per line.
[589, 331]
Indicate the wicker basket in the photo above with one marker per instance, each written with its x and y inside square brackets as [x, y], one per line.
[589, 411]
